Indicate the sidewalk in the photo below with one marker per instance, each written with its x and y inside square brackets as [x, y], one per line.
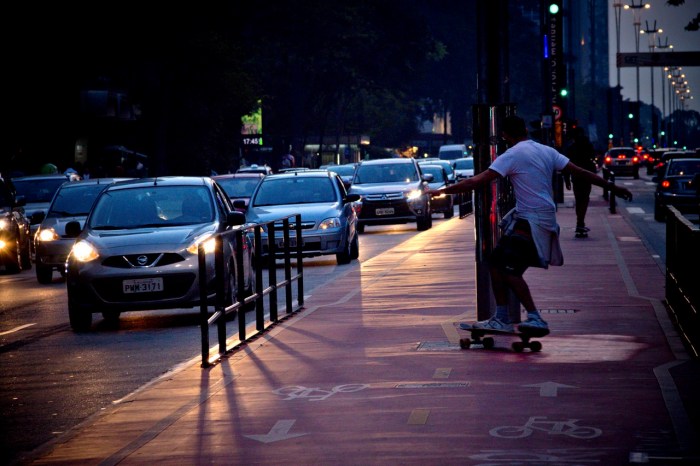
[371, 372]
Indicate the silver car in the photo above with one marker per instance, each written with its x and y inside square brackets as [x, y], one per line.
[329, 221]
[139, 248]
[71, 203]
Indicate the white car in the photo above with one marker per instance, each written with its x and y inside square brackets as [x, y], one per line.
[464, 167]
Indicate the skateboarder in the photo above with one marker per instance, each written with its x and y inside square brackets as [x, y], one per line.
[581, 153]
[530, 230]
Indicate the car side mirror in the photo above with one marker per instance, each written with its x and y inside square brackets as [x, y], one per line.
[37, 217]
[239, 204]
[352, 198]
[428, 177]
[235, 218]
[73, 229]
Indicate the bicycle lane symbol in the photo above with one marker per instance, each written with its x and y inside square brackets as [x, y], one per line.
[293, 392]
[568, 428]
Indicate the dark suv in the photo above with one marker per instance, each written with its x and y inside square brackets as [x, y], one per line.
[392, 191]
[15, 239]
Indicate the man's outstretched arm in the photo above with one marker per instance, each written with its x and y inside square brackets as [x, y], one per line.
[578, 172]
[468, 184]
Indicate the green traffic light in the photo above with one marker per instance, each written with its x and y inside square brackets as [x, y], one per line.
[630, 116]
[563, 93]
[610, 136]
[553, 8]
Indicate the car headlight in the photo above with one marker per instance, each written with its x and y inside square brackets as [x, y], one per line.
[329, 223]
[49, 234]
[414, 194]
[4, 223]
[207, 240]
[83, 251]
[441, 196]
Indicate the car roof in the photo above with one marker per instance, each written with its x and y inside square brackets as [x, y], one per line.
[41, 177]
[398, 160]
[312, 172]
[163, 181]
[91, 181]
[228, 176]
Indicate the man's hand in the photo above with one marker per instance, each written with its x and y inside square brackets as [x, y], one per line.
[624, 193]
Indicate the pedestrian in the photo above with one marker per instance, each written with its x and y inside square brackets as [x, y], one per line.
[288, 160]
[530, 230]
[580, 152]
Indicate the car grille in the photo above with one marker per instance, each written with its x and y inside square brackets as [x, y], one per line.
[174, 286]
[304, 225]
[142, 260]
[384, 197]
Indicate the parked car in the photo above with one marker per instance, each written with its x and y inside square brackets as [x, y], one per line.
[660, 166]
[328, 218]
[678, 186]
[392, 191]
[138, 249]
[345, 172]
[447, 165]
[445, 202]
[15, 237]
[453, 151]
[464, 167]
[239, 185]
[622, 161]
[38, 190]
[72, 203]
[255, 168]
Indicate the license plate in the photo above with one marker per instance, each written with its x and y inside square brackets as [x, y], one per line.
[142, 285]
[292, 243]
[623, 162]
[385, 211]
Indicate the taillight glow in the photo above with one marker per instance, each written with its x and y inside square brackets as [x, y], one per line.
[665, 184]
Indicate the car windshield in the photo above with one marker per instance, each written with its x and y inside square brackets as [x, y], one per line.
[451, 154]
[152, 206]
[342, 170]
[434, 170]
[389, 173]
[294, 190]
[464, 164]
[238, 187]
[38, 190]
[74, 200]
[683, 168]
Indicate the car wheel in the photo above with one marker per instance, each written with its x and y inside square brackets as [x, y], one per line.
[345, 256]
[26, 255]
[44, 275]
[14, 257]
[80, 317]
[355, 249]
[111, 317]
[424, 223]
[659, 212]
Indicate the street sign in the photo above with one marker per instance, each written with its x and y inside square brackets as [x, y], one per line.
[658, 59]
[556, 110]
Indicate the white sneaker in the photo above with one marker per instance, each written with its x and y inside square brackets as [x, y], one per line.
[494, 323]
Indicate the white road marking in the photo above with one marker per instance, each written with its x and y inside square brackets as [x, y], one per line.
[16, 329]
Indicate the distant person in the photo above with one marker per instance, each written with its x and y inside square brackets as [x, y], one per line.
[531, 233]
[580, 152]
[288, 160]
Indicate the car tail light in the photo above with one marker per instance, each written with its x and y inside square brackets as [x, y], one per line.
[622, 156]
[608, 160]
[635, 159]
[665, 184]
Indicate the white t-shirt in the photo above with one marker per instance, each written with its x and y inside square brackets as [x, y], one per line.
[530, 166]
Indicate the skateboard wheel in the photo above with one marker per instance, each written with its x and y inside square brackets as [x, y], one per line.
[465, 343]
[536, 346]
[488, 342]
[518, 346]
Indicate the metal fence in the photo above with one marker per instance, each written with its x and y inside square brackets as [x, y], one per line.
[223, 311]
[683, 276]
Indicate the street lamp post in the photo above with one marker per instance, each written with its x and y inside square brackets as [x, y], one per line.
[652, 33]
[637, 22]
[618, 14]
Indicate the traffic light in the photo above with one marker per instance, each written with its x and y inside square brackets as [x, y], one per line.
[563, 92]
[553, 8]
[630, 115]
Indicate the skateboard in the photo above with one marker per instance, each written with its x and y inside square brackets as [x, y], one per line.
[478, 336]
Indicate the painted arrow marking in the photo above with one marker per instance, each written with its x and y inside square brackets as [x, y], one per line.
[280, 431]
[549, 389]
